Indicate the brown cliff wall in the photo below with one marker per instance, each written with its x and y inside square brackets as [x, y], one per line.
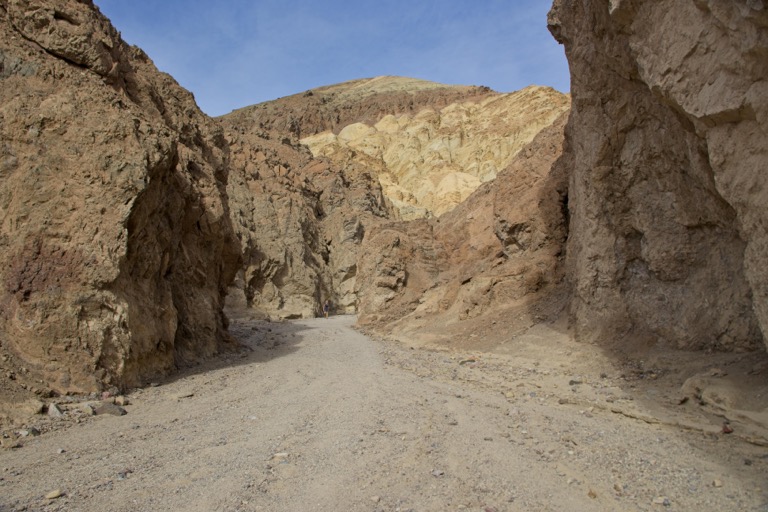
[669, 140]
[300, 221]
[498, 254]
[115, 239]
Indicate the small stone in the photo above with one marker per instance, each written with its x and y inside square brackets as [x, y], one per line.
[574, 382]
[60, 451]
[592, 494]
[122, 400]
[375, 499]
[109, 408]
[281, 456]
[54, 494]
[437, 472]
[54, 411]
[717, 483]
[662, 500]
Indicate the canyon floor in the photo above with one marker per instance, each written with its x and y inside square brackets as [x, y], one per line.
[313, 415]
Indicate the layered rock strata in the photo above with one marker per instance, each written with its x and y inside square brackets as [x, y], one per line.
[301, 217]
[668, 141]
[500, 250]
[430, 161]
[115, 238]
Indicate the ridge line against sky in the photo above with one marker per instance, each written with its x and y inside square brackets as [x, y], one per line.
[235, 53]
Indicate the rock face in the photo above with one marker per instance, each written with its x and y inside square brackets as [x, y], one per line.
[430, 161]
[300, 221]
[668, 141]
[501, 250]
[358, 101]
[301, 218]
[115, 241]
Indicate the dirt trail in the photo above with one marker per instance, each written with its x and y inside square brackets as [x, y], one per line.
[318, 417]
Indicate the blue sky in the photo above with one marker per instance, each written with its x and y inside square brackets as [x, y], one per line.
[234, 53]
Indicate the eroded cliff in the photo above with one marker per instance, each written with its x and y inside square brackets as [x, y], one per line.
[430, 161]
[115, 237]
[496, 257]
[667, 193]
[302, 217]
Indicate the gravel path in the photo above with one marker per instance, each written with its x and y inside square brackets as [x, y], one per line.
[318, 417]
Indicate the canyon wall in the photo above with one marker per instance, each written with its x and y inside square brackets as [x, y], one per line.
[300, 222]
[667, 193]
[495, 261]
[301, 216]
[115, 238]
[430, 161]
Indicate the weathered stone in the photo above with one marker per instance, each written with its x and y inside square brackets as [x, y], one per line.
[116, 246]
[501, 248]
[109, 408]
[302, 219]
[667, 136]
[54, 411]
[433, 159]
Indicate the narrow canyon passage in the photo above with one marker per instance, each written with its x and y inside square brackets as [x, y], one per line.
[318, 417]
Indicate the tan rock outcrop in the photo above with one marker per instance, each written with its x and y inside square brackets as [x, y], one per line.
[669, 142]
[430, 161]
[301, 218]
[300, 221]
[115, 238]
[501, 250]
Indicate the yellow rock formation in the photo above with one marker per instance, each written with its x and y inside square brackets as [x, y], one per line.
[431, 161]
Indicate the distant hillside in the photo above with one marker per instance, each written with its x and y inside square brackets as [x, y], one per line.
[430, 145]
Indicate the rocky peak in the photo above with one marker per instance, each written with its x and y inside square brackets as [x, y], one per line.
[431, 160]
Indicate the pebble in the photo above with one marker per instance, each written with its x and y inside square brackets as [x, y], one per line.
[281, 456]
[717, 483]
[375, 499]
[438, 472]
[54, 494]
[662, 500]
